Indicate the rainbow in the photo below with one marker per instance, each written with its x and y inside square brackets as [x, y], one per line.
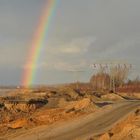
[38, 43]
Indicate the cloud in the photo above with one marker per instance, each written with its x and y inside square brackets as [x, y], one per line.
[125, 45]
[75, 46]
[60, 65]
[66, 66]
[11, 56]
[56, 57]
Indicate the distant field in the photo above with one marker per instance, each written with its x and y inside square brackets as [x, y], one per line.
[5, 91]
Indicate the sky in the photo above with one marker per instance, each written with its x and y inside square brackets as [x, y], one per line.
[81, 32]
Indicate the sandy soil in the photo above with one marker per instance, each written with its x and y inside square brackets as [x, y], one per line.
[83, 127]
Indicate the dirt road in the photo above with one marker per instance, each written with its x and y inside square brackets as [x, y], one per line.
[83, 127]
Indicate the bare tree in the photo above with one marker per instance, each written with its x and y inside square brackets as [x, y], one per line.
[119, 74]
[110, 77]
[100, 81]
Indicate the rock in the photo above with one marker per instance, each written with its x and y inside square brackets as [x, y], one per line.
[104, 137]
[18, 123]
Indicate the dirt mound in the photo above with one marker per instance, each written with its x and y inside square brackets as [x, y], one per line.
[136, 95]
[135, 134]
[49, 116]
[24, 106]
[81, 104]
[62, 103]
[104, 137]
[20, 107]
[93, 98]
[128, 129]
[130, 95]
[68, 93]
[112, 97]
[66, 110]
